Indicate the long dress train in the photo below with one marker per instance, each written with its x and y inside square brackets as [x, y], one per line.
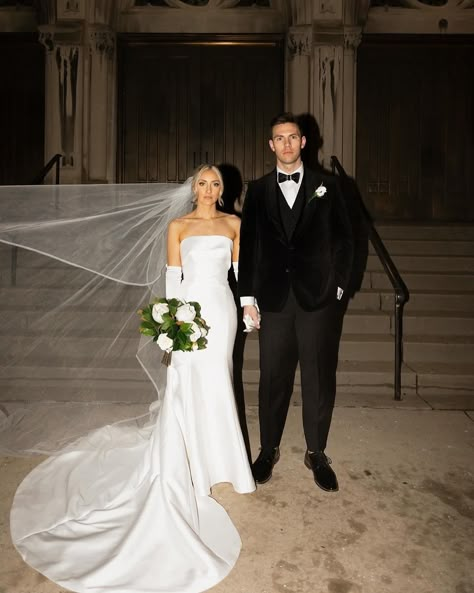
[131, 513]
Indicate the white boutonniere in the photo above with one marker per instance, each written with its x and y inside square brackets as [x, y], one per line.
[319, 192]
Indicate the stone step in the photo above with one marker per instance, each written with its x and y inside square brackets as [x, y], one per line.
[445, 281]
[431, 232]
[352, 376]
[70, 351]
[37, 383]
[438, 349]
[417, 247]
[437, 323]
[32, 323]
[132, 385]
[424, 300]
[353, 347]
[380, 348]
[52, 277]
[444, 379]
[425, 263]
[91, 323]
[38, 297]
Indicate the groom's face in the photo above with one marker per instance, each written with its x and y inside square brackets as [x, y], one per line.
[287, 142]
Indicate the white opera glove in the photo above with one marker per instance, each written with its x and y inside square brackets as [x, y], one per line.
[173, 282]
[249, 322]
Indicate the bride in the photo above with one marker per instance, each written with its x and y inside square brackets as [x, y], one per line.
[138, 517]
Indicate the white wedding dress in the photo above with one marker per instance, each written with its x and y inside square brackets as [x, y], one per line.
[131, 512]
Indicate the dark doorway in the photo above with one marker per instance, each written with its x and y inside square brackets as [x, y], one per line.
[21, 108]
[184, 103]
[415, 127]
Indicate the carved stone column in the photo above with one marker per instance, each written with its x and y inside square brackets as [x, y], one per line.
[328, 66]
[63, 98]
[99, 106]
[352, 39]
[298, 69]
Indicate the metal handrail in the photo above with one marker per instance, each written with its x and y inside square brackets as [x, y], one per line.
[55, 160]
[401, 293]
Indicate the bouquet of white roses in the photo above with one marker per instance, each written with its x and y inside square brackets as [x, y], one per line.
[174, 325]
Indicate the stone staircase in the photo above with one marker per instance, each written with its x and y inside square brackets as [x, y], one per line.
[436, 262]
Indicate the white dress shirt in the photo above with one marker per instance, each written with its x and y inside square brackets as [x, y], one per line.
[290, 188]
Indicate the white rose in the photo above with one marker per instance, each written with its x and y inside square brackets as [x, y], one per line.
[194, 337]
[158, 310]
[321, 191]
[186, 313]
[165, 343]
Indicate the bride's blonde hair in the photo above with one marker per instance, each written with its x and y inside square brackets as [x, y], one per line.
[197, 175]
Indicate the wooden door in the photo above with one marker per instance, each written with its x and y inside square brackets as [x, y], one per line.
[188, 103]
[21, 108]
[415, 129]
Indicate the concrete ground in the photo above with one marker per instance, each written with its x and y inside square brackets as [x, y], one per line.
[402, 521]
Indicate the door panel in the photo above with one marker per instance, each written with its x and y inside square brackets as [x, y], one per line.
[21, 108]
[159, 109]
[415, 138]
[182, 105]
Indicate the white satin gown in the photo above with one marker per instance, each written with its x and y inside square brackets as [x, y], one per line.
[132, 512]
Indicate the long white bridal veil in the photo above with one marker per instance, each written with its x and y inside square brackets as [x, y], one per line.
[77, 262]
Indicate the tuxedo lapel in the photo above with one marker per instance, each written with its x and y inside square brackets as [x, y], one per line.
[311, 181]
[272, 207]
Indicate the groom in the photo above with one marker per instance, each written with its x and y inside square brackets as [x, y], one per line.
[295, 260]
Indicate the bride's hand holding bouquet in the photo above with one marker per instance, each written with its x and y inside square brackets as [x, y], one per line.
[174, 325]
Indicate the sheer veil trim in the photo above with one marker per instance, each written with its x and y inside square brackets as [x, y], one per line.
[89, 257]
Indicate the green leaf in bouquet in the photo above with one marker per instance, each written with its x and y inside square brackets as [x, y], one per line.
[167, 323]
[180, 341]
[146, 314]
[172, 331]
[185, 328]
[202, 343]
[147, 331]
[173, 305]
[159, 300]
[197, 307]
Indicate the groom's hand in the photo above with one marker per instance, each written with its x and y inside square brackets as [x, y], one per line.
[252, 316]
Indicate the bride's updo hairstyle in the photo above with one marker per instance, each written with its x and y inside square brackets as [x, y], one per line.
[197, 175]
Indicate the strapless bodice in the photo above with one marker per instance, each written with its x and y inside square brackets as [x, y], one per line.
[206, 258]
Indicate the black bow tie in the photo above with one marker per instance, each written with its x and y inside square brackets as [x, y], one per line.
[294, 177]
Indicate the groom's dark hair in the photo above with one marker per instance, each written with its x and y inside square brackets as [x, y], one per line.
[284, 118]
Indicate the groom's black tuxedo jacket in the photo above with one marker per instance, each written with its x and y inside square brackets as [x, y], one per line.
[308, 247]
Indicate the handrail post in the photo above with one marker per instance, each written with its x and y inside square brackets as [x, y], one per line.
[58, 158]
[398, 348]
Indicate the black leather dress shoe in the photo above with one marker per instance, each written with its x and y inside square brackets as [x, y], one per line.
[324, 476]
[262, 467]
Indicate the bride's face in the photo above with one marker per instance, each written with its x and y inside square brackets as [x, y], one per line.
[208, 188]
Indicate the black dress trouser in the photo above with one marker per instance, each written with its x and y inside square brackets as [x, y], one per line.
[312, 339]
